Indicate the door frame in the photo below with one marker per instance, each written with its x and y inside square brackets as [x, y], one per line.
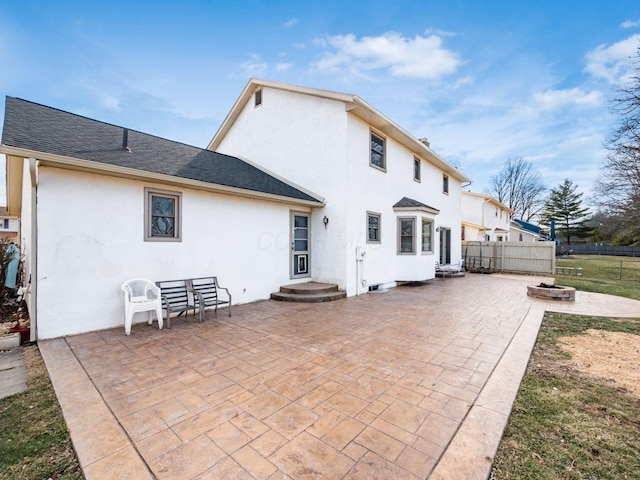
[445, 246]
[299, 260]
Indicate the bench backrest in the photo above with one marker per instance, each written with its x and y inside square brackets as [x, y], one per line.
[207, 286]
[175, 293]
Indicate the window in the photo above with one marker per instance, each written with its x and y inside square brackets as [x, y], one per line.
[258, 98]
[373, 227]
[445, 184]
[377, 152]
[416, 169]
[6, 223]
[406, 228]
[162, 215]
[427, 236]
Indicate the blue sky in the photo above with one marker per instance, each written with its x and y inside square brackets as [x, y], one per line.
[484, 81]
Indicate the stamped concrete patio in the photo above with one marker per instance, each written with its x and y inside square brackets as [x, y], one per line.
[415, 383]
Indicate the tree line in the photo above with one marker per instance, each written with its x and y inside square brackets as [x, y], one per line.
[617, 190]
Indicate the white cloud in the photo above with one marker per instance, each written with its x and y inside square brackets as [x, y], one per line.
[613, 63]
[556, 99]
[283, 67]
[254, 67]
[290, 23]
[420, 57]
[630, 24]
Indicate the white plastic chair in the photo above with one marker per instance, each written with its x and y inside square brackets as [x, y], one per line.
[140, 295]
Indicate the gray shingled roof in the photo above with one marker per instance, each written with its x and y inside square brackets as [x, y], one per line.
[406, 202]
[39, 128]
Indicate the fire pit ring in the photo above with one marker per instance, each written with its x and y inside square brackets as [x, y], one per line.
[552, 292]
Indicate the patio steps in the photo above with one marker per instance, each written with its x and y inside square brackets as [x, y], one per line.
[310, 292]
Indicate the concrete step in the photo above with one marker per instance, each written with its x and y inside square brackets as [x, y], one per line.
[309, 292]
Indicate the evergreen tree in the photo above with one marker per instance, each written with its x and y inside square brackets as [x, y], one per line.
[564, 206]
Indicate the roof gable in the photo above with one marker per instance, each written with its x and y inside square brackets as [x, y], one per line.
[37, 128]
[409, 204]
[353, 105]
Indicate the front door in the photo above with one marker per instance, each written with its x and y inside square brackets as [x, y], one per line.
[445, 246]
[300, 244]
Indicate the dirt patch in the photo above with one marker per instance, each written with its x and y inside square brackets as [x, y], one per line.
[611, 356]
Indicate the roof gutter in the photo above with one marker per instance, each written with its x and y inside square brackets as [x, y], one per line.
[69, 163]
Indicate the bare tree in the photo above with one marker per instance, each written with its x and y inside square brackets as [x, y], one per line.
[519, 186]
[618, 188]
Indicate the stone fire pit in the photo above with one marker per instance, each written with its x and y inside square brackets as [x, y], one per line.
[552, 292]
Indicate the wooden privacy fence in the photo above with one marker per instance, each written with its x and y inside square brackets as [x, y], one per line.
[517, 257]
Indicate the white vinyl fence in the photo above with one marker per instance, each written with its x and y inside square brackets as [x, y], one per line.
[518, 257]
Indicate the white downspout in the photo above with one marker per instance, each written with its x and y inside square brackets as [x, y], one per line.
[33, 312]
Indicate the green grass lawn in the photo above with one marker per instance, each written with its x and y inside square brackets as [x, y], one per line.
[34, 441]
[564, 424]
[603, 274]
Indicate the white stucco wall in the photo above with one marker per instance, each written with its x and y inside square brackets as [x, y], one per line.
[315, 143]
[289, 135]
[90, 238]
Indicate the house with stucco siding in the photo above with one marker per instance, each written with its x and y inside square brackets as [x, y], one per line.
[392, 205]
[484, 218]
[298, 184]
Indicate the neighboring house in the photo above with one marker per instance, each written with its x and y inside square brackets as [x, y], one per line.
[363, 203]
[392, 205]
[522, 231]
[9, 226]
[484, 218]
[517, 233]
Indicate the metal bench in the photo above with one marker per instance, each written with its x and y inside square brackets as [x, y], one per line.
[205, 292]
[176, 298]
[569, 271]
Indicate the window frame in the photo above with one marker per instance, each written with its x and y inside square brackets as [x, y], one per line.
[413, 235]
[257, 98]
[445, 184]
[383, 142]
[379, 217]
[417, 170]
[149, 193]
[430, 222]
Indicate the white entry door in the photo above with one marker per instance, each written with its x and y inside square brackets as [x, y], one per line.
[300, 244]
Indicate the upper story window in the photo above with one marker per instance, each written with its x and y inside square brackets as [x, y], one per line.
[163, 211]
[373, 227]
[5, 223]
[416, 169]
[258, 98]
[445, 184]
[377, 158]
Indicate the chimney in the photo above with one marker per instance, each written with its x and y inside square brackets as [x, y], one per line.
[125, 140]
[425, 141]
